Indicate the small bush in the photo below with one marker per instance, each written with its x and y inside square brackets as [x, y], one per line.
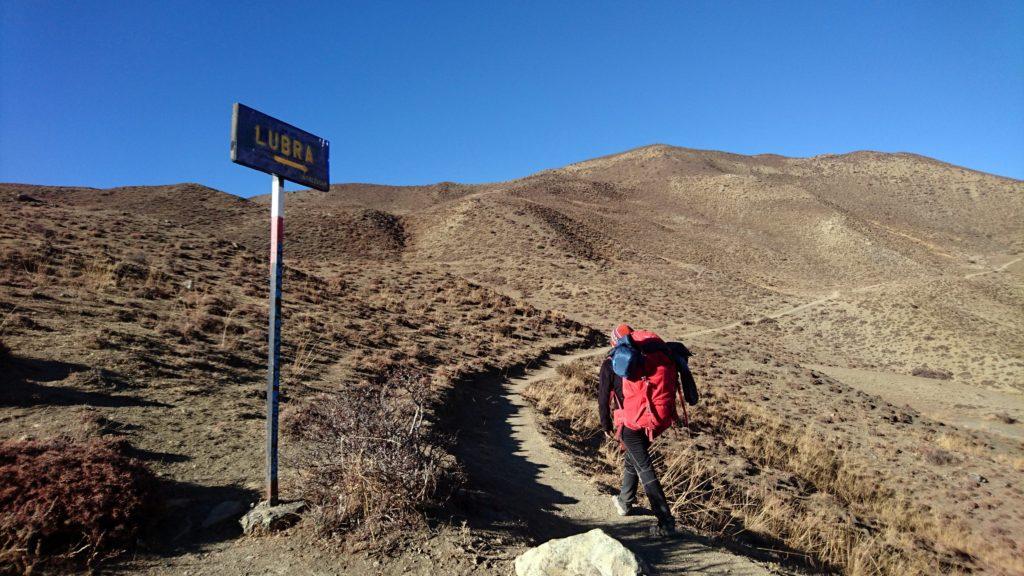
[69, 505]
[366, 462]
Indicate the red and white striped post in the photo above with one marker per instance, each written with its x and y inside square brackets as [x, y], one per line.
[274, 348]
[264, 143]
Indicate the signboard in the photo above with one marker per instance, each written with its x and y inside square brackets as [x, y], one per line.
[270, 145]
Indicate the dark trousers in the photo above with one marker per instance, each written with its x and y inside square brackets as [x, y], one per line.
[639, 469]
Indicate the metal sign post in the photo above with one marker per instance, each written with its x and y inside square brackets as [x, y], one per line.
[285, 152]
[274, 338]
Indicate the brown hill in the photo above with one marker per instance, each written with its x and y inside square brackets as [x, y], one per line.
[864, 308]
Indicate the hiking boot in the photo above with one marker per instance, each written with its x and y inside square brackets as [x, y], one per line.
[621, 507]
[663, 531]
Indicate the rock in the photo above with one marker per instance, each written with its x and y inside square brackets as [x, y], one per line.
[591, 554]
[26, 198]
[265, 518]
[224, 511]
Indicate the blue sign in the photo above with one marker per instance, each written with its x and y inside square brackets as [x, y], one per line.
[269, 145]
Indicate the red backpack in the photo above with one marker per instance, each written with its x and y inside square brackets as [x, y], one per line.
[649, 402]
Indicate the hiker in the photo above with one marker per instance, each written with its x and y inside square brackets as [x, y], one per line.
[636, 401]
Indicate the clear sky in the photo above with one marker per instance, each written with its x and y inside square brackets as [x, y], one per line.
[117, 93]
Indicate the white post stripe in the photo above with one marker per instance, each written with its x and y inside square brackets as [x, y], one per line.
[277, 199]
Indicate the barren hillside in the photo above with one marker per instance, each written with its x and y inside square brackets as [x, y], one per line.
[858, 321]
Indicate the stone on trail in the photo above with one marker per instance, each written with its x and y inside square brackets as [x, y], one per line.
[591, 554]
[265, 518]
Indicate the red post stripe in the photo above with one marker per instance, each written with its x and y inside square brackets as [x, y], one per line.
[276, 238]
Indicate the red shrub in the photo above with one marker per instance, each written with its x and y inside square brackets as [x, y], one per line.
[66, 504]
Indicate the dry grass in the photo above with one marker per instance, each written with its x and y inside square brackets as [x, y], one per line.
[569, 399]
[852, 521]
[367, 464]
[97, 275]
[749, 469]
[699, 494]
[957, 443]
[182, 317]
[838, 516]
[1015, 462]
[309, 347]
[784, 472]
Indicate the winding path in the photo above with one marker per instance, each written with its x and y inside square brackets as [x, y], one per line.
[775, 315]
[994, 270]
[522, 478]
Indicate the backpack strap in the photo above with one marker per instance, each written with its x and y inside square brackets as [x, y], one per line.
[682, 402]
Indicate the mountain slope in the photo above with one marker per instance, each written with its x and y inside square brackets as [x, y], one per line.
[863, 312]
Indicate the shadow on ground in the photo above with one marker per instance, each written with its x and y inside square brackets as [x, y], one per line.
[485, 443]
[28, 383]
[190, 519]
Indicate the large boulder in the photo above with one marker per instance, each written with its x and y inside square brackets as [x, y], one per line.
[591, 554]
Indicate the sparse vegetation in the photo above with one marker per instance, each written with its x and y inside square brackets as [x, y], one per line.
[155, 318]
[366, 460]
[744, 470]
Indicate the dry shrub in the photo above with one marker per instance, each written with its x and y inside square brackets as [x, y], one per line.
[155, 285]
[69, 505]
[18, 260]
[934, 373]
[938, 456]
[366, 462]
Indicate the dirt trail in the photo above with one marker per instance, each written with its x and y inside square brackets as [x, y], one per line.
[524, 479]
[774, 315]
[994, 270]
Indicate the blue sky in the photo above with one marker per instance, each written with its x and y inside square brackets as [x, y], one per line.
[117, 93]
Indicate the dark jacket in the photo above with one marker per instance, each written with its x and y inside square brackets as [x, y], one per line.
[608, 382]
